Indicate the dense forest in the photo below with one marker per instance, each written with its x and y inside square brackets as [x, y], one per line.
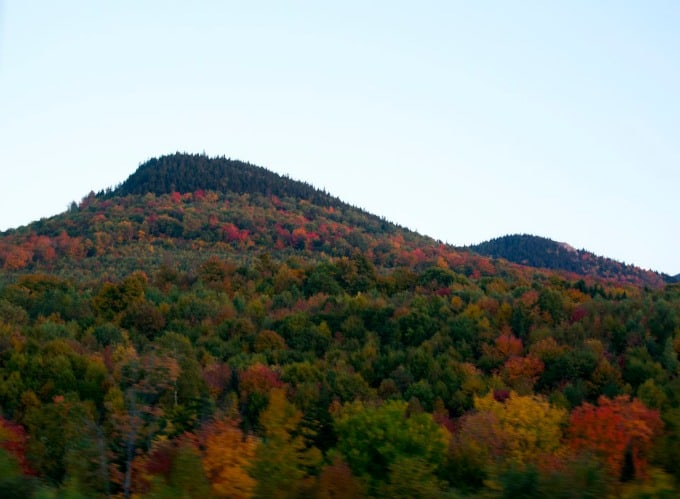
[206, 342]
[192, 172]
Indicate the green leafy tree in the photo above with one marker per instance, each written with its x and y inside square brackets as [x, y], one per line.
[283, 458]
[373, 438]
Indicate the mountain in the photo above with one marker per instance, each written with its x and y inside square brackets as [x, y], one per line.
[545, 253]
[178, 210]
[211, 329]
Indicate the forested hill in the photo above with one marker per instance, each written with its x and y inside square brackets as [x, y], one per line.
[192, 172]
[545, 253]
[210, 329]
[179, 209]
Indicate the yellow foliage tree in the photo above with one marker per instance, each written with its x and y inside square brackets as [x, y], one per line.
[532, 427]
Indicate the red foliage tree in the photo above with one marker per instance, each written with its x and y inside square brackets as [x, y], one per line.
[258, 378]
[616, 430]
[217, 376]
[13, 441]
[230, 232]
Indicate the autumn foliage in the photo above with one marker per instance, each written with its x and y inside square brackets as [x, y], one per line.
[13, 441]
[232, 336]
[616, 430]
[227, 457]
[530, 427]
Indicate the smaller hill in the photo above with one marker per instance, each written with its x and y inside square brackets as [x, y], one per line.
[541, 252]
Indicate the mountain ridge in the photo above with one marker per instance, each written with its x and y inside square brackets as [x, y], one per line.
[168, 173]
[179, 203]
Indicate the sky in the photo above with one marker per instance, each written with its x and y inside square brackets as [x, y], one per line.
[461, 120]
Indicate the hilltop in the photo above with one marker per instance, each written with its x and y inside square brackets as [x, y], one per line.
[193, 172]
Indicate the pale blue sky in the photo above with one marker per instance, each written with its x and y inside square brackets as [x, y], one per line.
[462, 120]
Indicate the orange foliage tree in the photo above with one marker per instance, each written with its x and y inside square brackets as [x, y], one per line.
[620, 431]
[509, 345]
[337, 482]
[228, 455]
[519, 370]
